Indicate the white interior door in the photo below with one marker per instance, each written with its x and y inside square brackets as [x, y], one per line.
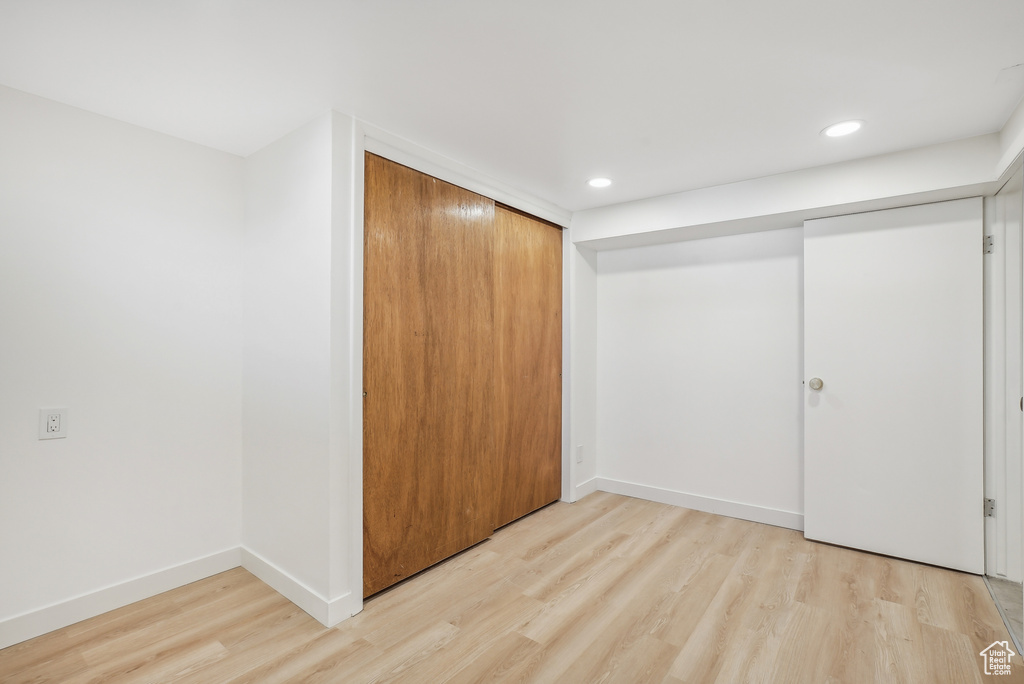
[893, 440]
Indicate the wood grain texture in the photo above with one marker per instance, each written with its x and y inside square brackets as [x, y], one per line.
[609, 589]
[528, 360]
[428, 365]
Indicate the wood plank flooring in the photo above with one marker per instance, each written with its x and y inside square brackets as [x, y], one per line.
[610, 589]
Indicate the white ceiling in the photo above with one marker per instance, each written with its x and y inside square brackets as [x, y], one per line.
[660, 95]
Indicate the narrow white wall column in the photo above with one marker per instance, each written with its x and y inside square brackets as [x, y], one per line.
[286, 395]
[582, 285]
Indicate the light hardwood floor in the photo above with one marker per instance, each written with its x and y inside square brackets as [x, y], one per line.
[610, 589]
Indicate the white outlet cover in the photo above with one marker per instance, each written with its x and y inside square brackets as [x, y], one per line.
[60, 423]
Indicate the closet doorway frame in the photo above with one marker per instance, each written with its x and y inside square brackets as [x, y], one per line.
[383, 144]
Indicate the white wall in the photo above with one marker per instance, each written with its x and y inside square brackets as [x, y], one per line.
[287, 358]
[120, 298]
[301, 397]
[1011, 141]
[971, 167]
[698, 374]
[581, 284]
[962, 168]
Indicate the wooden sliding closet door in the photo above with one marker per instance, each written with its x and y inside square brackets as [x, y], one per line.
[528, 360]
[428, 367]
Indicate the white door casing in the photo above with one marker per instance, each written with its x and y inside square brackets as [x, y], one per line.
[1003, 215]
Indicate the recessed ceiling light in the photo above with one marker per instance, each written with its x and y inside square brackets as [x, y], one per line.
[842, 128]
[599, 182]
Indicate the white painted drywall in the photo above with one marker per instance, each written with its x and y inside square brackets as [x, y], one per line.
[120, 298]
[963, 168]
[582, 285]
[1011, 141]
[287, 355]
[698, 372]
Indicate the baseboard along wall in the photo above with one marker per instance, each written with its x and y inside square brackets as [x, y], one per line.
[732, 509]
[328, 612]
[37, 622]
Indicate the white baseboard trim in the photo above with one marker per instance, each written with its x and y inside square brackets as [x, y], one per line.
[286, 585]
[327, 612]
[343, 607]
[585, 488]
[37, 622]
[732, 509]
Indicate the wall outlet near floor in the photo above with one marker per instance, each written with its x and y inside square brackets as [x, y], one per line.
[53, 423]
[579, 453]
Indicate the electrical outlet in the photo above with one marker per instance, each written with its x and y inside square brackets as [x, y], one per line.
[53, 423]
[579, 453]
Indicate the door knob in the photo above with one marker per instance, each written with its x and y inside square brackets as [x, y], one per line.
[816, 384]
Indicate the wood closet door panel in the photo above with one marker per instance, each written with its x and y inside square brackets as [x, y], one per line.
[428, 371]
[528, 361]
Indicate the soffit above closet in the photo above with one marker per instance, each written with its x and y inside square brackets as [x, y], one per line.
[661, 96]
